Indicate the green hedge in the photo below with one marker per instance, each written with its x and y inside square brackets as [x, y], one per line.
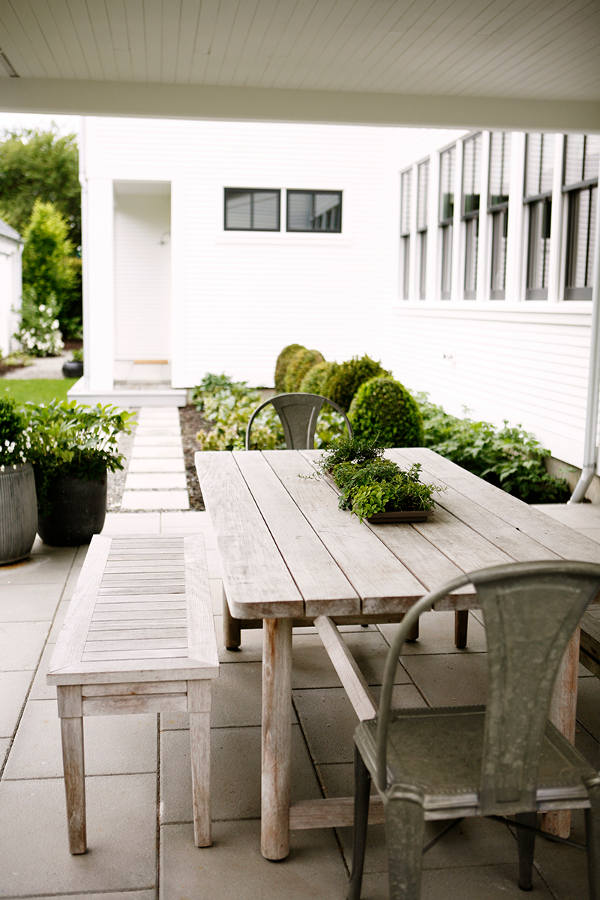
[385, 412]
[301, 362]
[283, 361]
[346, 378]
[508, 457]
[316, 378]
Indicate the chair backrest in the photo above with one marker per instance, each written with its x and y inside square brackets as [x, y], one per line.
[298, 414]
[530, 612]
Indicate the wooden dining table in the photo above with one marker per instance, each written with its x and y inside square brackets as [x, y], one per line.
[290, 555]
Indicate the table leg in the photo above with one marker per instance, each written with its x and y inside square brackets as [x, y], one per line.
[276, 738]
[563, 711]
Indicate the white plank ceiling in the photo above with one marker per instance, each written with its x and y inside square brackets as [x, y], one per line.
[505, 49]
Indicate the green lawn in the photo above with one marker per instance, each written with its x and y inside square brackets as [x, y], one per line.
[38, 390]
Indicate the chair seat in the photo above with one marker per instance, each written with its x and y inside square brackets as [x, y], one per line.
[438, 753]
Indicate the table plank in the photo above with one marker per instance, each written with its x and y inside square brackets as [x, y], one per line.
[256, 580]
[375, 573]
[322, 583]
[560, 539]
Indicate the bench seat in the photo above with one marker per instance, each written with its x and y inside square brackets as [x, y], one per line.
[139, 638]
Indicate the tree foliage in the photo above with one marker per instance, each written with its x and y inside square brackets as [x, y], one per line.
[40, 165]
[46, 256]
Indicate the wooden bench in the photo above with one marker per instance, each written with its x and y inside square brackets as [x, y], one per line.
[139, 638]
[589, 648]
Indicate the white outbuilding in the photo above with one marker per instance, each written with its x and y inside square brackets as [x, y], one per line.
[11, 248]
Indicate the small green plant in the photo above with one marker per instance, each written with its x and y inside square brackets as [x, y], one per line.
[12, 438]
[64, 438]
[282, 363]
[508, 457]
[384, 412]
[300, 363]
[370, 484]
[227, 405]
[77, 355]
[39, 332]
[316, 378]
[345, 378]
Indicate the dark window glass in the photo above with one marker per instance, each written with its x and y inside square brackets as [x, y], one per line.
[446, 274]
[422, 265]
[314, 211]
[498, 268]
[580, 183]
[471, 248]
[539, 164]
[422, 188]
[540, 213]
[250, 209]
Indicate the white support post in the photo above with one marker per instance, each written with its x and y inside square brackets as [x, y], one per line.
[516, 250]
[98, 283]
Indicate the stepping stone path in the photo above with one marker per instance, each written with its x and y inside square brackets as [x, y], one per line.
[156, 473]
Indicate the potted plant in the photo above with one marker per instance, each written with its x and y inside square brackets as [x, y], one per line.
[375, 488]
[73, 368]
[18, 506]
[72, 448]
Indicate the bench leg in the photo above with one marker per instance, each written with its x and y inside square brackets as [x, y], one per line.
[199, 710]
[71, 726]
[232, 632]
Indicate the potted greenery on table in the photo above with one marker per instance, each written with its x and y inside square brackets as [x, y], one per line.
[375, 488]
[72, 447]
[18, 507]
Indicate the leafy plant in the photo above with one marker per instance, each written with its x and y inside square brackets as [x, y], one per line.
[12, 439]
[316, 378]
[384, 412]
[39, 332]
[77, 355]
[283, 360]
[46, 255]
[301, 362]
[508, 457]
[227, 405]
[64, 438]
[345, 378]
[370, 484]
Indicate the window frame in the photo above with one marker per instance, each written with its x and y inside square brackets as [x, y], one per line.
[252, 191]
[422, 229]
[313, 192]
[405, 232]
[498, 213]
[446, 226]
[471, 220]
[572, 193]
[541, 203]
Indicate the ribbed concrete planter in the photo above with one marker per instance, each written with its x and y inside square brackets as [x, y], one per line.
[18, 513]
[72, 511]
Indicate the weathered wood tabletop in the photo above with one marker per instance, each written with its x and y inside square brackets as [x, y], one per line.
[288, 551]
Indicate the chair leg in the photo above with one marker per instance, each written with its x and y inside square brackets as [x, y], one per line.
[461, 622]
[362, 789]
[232, 632]
[526, 844]
[592, 826]
[404, 830]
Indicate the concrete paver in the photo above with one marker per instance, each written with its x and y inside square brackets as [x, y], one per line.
[478, 859]
[148, 481]
[156, 465]
[155, 500]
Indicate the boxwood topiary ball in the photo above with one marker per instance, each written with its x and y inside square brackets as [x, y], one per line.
[385, 412]
[347, 377]
[282, 363]
[315, 379]
[300, 363]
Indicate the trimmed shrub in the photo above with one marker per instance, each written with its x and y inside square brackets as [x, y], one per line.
[283, 360]
[347, 377]
[298, 366]
[385, 412]
[315, 379]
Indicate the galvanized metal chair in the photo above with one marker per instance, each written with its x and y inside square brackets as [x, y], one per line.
[298, 414]
[502, 759]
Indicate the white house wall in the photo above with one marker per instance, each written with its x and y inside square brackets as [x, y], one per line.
[10, 291]
[239, 297]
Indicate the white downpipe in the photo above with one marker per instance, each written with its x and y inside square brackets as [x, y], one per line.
[590, 449]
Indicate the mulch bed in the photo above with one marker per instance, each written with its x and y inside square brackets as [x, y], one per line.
[191, 422]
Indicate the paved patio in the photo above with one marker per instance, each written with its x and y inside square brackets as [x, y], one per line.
[139, 809]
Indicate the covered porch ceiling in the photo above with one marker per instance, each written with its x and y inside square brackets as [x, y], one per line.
[530, 64]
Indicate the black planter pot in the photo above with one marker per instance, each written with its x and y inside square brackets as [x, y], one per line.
[72, 510]
[72, 368]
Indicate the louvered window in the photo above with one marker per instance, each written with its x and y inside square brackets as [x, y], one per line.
[498, 210]
[580, 184]
[422, 191]
[405, 210]
[470, 211]
[251, 209]
[539, 163]
[446, 218]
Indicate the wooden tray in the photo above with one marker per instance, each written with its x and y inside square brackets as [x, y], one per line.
[410, 515]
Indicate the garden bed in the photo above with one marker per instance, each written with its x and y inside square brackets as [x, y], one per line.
[191, 422]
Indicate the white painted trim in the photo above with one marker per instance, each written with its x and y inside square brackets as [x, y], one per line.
[192, 101]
